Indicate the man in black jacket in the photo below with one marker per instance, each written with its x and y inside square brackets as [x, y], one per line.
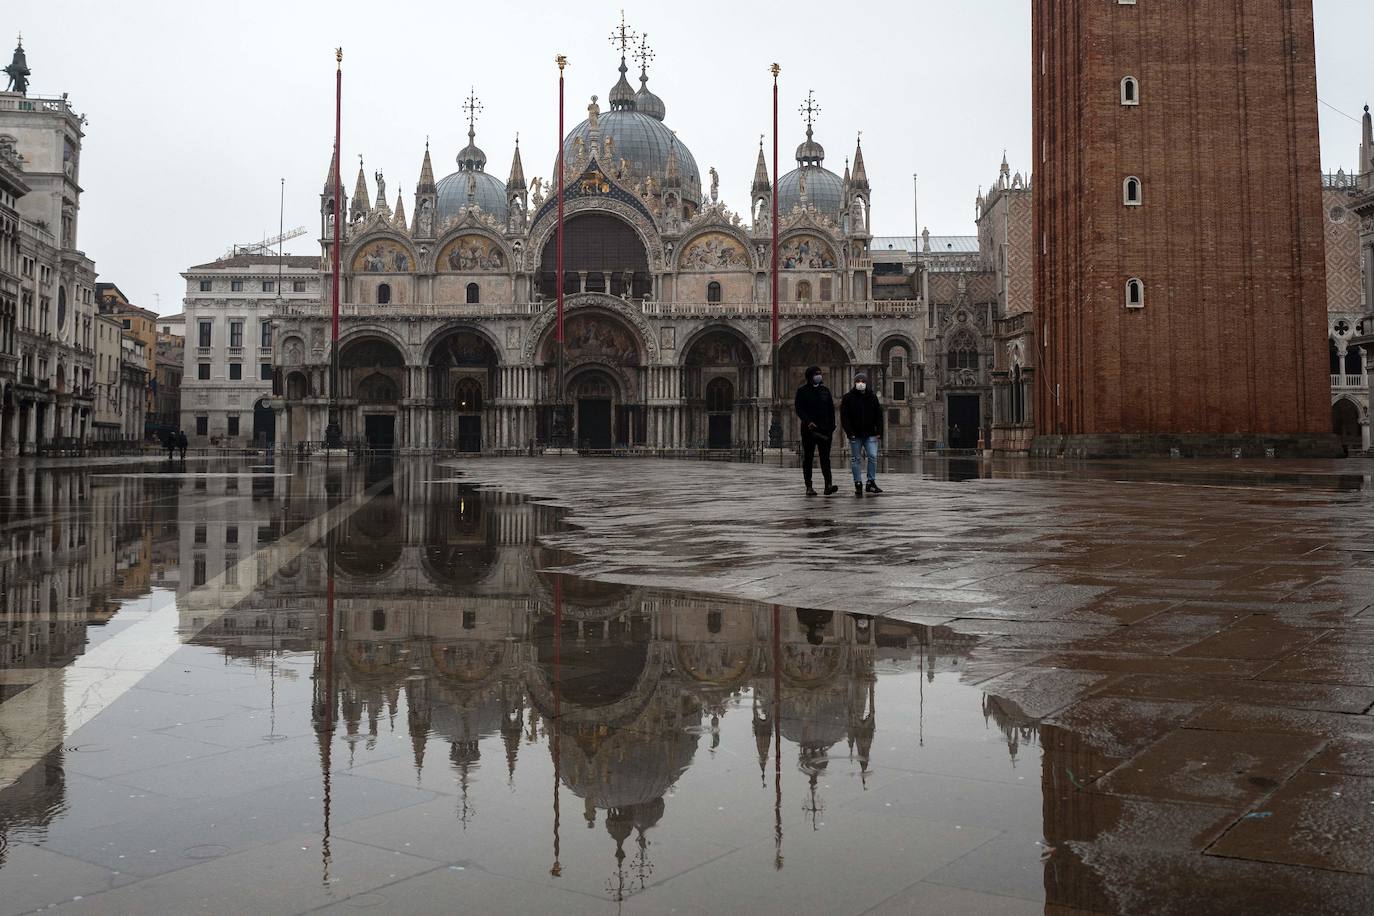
[816, 411]
[862, 418]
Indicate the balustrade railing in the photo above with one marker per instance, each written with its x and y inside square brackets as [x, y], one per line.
[876, 307]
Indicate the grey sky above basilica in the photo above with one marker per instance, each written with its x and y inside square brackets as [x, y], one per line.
[197, 113]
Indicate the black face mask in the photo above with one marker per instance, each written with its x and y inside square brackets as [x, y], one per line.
[817, 379]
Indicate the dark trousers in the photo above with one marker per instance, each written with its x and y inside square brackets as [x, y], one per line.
[809, 446]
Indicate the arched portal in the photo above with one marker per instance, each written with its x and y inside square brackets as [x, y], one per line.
[720, 387]
[606, 350]
[595, 393]
[372, 382]
[810, 348]
[462, 371]
[601, 254]
[1345, 422]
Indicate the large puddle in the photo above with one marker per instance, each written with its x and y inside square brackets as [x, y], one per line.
[285, 687]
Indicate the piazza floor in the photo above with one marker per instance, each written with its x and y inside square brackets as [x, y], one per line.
[623, 686]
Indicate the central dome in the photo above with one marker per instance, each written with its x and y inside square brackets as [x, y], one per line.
[643, 142]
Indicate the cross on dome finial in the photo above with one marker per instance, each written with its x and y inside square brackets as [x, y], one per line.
[643, 54]
[473, 107]
[623, 35]
[809, 109]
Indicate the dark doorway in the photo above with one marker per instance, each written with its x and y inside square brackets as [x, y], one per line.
[718, 432]
[964, 421]
[264, 424]
[594, 422]
[469, 432]
[380, 430]
[1345, 422]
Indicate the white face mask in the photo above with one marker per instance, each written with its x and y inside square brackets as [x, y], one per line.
[860, 386]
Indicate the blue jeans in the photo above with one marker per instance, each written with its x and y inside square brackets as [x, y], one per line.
[858, 447]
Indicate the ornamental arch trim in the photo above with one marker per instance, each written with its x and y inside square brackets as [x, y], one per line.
[448, 329]
[643, 227]
[453, 233]
[824, 330]
[356, 249]
[752, 260]
[755, 350]
[540, 324]
[358, 334]
[898, 337]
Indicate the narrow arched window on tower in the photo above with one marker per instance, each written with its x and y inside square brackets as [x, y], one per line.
[1130, 91]
[1135, 294]
[713, 291]
[383, 293]
[1131, 192]
[474, 294]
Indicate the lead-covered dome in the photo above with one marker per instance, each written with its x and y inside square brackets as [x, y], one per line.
[824, 189]
[471, 185]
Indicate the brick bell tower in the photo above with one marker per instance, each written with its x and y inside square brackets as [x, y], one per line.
[1179, 263]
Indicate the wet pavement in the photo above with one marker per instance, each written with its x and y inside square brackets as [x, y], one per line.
[626, 686]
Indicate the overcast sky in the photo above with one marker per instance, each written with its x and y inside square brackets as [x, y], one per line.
[197, 110]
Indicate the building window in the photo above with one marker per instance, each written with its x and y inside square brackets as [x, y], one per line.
[1130, 91]
[827, 289]
[894, 417]
[269, 286]
[1135, 294]
[383, 293]
[233, 429]
[236, 286]
[125, 322]
[236, 333]
[205, 286]
[265, 372]
[713, 291]
[474, 294]
[1131, 192]
[235, 371]
[297, 286]
[203, 372]
[202, 426]
[803, 291]
[231, 532]
[899, 389]
[200, 534]
[198, 570]
[204, 340]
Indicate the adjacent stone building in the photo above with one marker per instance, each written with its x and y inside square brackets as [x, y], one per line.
[1180, 273]
[226, 379]
[47, 306]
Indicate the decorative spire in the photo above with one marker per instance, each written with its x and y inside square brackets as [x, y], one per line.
[672, 178]
[622, 97]
[426, 185]
[1367, 143]
[1006, 169]
[810, 152]
[645, 101]
[400, 218]
[330, 178]
[761, 183]
[860, 173]
[516, 181]
[361, 203]
[470, 158]
[846, 172]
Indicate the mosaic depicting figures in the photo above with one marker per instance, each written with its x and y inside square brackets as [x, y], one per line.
[469, 253]
[806, 252]
[712, 250]
[382, 257]
[593, 338]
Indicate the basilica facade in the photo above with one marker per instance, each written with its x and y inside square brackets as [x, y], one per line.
[447, 334]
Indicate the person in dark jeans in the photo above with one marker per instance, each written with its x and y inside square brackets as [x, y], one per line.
[816, 411]
[182, 442]
[862, 418]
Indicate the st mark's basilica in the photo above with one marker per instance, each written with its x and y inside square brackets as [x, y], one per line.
[447, 312]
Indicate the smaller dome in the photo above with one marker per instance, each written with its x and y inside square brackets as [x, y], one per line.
[810, 152]
[622, 96]
[648, 103]
[824, 190]
[467, 188]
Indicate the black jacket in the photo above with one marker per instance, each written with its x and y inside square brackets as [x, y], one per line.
[816, 405]
[860, 414]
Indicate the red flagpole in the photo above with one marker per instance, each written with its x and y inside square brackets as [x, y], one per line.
[562, 62]
[775, 426]
[332, 432]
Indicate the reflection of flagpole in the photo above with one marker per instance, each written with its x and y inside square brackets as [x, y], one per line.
[327, 751]
[777, 741]
[775, 427]
[555, 741]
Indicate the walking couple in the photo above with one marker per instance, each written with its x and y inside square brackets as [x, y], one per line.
[861, 419]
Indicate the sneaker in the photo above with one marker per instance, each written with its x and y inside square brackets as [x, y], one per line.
[830, 488]
[810, 491]
[858, 489]
[873, 487]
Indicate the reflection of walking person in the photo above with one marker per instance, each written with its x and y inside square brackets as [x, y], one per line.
[862, 418]
[815, 622]
[816, 411]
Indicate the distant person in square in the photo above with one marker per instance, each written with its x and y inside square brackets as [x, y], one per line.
[861, 416]
[816, 411]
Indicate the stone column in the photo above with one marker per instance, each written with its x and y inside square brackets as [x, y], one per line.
[1365, 434]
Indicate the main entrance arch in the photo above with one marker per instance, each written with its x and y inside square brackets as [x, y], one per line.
[602, 360]
[372, 383]
[719, 384]
[461, 381]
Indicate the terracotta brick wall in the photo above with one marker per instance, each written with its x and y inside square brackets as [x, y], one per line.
[1230, 240]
